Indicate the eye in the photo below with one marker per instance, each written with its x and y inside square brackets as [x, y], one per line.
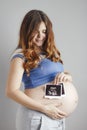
[44, 31]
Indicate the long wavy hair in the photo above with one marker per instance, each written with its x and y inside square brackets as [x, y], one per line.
[28, 29]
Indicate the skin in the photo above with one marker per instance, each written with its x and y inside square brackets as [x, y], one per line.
[40, 35]
[29, 97]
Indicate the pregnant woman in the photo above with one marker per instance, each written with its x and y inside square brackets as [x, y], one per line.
[36, 62]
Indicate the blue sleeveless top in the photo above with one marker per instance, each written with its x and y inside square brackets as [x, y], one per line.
[44, 73]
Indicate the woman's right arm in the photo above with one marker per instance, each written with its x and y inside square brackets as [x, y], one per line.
[13, 85]
[13, 91]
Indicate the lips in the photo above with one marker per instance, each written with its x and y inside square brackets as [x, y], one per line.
[38, 40]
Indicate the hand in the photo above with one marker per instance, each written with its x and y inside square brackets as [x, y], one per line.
[53, 112]
[63, 77]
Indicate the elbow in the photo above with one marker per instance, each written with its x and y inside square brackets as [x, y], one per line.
[8, 93]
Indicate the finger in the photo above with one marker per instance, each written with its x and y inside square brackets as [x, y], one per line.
[60, 76]
[65, 78]
[58, 116]
[61, 113]
[56, 79]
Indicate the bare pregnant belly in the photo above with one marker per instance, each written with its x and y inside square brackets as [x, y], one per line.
[69, 101]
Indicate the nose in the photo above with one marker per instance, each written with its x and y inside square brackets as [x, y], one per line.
[39, 35]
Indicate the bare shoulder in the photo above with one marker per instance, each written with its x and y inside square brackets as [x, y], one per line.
[16, 65]
[15, 74]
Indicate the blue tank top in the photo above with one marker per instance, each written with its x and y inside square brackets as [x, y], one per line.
[45, 72]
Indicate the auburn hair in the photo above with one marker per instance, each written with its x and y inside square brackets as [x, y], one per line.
[28, 29]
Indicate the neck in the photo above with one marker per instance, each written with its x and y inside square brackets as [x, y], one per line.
[38, 49]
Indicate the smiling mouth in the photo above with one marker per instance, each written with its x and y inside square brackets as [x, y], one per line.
[39, 41]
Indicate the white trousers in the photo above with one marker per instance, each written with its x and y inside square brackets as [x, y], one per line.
[27, 119]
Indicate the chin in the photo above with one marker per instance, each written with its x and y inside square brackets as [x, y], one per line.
[39, 44]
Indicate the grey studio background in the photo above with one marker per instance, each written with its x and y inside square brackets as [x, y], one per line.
[69, 18]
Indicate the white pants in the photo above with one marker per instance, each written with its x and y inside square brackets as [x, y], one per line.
[28, 119]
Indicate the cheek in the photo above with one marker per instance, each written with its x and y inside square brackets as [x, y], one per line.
[44, 36]
[34, 38]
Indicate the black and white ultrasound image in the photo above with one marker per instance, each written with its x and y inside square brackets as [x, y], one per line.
[53, 90]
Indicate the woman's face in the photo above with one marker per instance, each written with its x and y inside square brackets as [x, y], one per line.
[40, 35]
